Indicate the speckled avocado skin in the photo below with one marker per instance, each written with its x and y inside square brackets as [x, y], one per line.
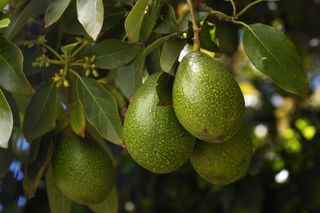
[152, 134]
[206, 98]
[223, 163]
[82, 170]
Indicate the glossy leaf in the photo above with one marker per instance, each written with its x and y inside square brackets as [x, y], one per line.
[100, 109]
[90, 15]
[40, 115]
[129, 78]
[58, 202]
[111, 53]
[170, 54]
[12, 77]
[35, 169]
[33, 9]
[77, 119]
[150, 20]
[6, 121]
[276, 56]
[110, 204]
[55, 10]
[134, 20]
[157, 43]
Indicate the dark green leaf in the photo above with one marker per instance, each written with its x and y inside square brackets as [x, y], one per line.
[129, 77]
[77, 119]
[157, 43]
[6, 121]
[207, 37]
[33, 9]
[109, 205]
[90, 15]
[100, 109]
[134, 20]
[35, 169]
[111, 53]
[170, 54]
[55, 10]
[12, 77]
[6, 158]
[150, 21]
[40, 115]
[112, 18]
[58, 202]
[276, 56]
[169, 23]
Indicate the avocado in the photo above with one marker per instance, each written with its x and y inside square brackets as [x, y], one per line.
[206, 98]
[152, 134]
[223, 163]
[82, 170]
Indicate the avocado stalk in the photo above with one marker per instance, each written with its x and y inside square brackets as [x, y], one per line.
[196, 29]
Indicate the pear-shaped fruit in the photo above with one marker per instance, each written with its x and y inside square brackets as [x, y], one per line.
[206, 98]
[223, 163]
[82, 170]
[152, 134]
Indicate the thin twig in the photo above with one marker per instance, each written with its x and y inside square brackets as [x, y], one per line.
[234, 9]
[196, 30]
[250, 5]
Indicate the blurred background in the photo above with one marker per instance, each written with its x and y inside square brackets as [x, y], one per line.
[285, 172]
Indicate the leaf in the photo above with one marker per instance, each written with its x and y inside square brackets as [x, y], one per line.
[111, 53]
[150, 21]
[134, 20]
[58, 202]
[77, 119]
[113, 17]
[33, 9]
[170, 54]
[4, 22]
[40, 115]
[110, 204]
[35, 170]
[129, 78]
[90, 15]
[12, 77]
[276, 56]
[207, 37]
[6, 121]
[157, 43]
[6, 157]
[100, 109]
[55, 10]
[169, 23]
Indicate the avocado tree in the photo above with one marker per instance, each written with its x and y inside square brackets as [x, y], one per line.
[84, 80]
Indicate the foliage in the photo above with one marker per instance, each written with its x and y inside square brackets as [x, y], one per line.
[77, 63]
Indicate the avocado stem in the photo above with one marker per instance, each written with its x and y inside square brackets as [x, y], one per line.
[196, 29]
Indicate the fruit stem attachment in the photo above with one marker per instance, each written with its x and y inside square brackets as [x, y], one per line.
[196, 29]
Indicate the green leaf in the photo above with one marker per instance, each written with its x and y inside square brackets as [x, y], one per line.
[35, 169]
[12, 77]
[77, 119]
[40, 115]
[157, 43]
[58, 202]
[169, 23]
[129, 78]
[170, 54]
[6, 158]
[207, 37]
[90, 15]
[4, 22]
[134, 20]
[150, 21]
[113, 17]
[100, 109]
[276, 56]
[111, 53]
[33, 9]
[110, 204]
[55, 10]
[6, 121]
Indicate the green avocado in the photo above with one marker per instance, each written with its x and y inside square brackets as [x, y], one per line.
[223, 163]
[206, 98]
[152, 134]
[82, 170]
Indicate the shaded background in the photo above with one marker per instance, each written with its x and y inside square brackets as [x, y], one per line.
[285, 172]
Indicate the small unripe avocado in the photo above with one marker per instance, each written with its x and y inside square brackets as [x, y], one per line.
[206, 98]
[152, 134]
[223, 163]
[82, 170]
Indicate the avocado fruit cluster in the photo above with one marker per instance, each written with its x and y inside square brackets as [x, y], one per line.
[207, 109]
[82, 170]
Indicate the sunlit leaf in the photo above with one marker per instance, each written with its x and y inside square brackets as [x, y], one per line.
[55, 10]
[6, 121]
